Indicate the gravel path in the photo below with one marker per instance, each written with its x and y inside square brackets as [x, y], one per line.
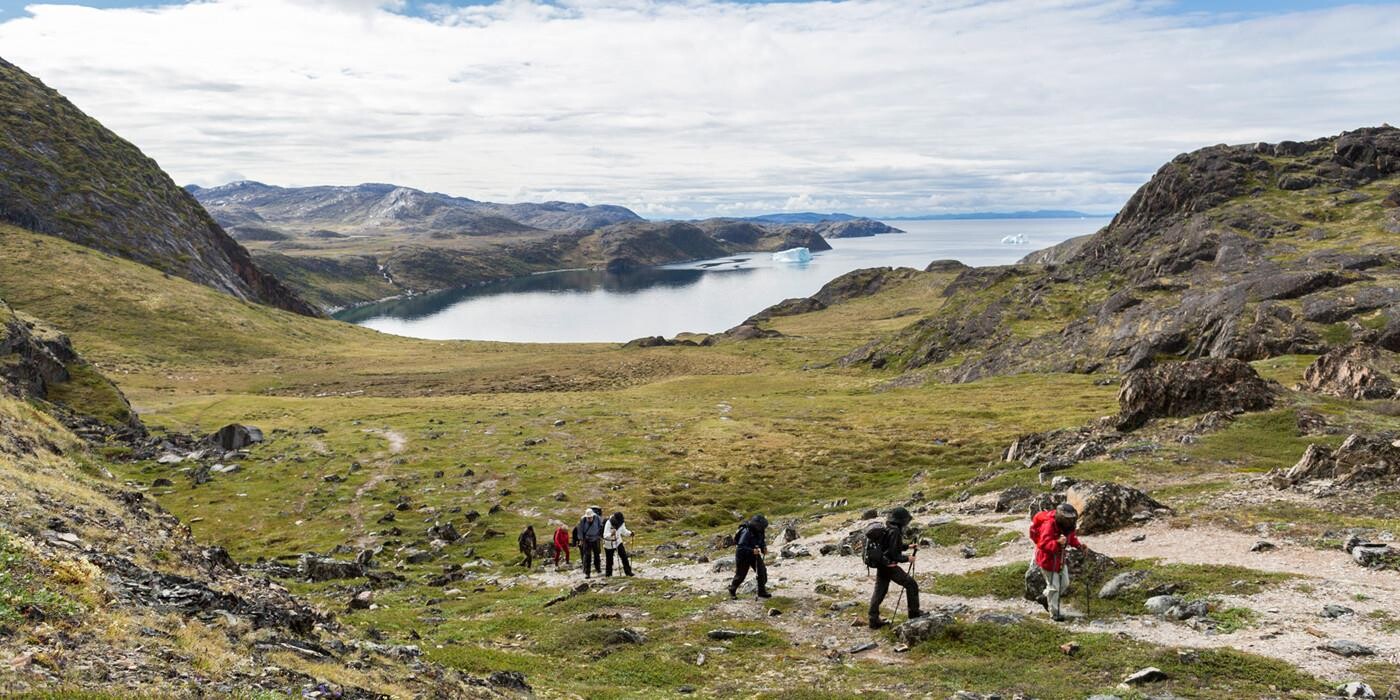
[1289, 627]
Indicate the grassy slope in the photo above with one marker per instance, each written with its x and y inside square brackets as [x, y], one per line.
[680, 438]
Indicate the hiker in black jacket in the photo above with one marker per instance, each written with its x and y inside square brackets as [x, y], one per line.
[590, 538]
[750, 544]
[891, 555]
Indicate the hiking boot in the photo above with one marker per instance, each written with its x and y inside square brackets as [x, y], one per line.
[733, 594]
[917, 615]
[877, 623]
[1057, 617]
[765, 594]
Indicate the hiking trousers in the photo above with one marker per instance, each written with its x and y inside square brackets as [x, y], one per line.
[1056, 583]
[565, 552]
[886, 575]
[743, 561]
[591, 555]
[621, 551]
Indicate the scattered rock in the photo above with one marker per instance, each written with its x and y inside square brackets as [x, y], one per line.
[922, 629]
[1333, 611]
[720, 635]
[1355, 689]
[867, 646]
[795, 551]
[1347, 648]
[626, 635]
[1126, 581]
[1161, 604]
[1147, 675]
[362, 600]
[1263, 546]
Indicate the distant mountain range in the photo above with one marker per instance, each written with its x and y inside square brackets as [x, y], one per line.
[810, 218]
[381, 207]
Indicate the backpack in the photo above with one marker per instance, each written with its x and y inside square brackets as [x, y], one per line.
[874, 553]
[739, 534]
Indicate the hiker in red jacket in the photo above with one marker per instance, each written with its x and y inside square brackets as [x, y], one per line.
[561, 545]
[1052, 531]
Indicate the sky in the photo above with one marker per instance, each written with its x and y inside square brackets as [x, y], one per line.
[690, 108]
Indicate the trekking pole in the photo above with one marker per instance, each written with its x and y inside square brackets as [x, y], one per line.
[904, 592]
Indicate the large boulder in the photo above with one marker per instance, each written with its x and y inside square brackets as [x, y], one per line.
[1359, 459]
[1189, 388]
[1353, 372]
[1081, 563]
[235, 437]
[1105, 507]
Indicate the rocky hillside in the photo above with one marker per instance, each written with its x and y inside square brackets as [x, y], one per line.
[248, 207]
[64, 174]
[1244, 252]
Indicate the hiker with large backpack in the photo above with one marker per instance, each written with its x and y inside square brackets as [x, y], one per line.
[590, 538]
[750, 546]
[884, 552]
[615, 534]
[1052, 531]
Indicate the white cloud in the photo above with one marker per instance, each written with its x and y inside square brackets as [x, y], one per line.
[685, 108]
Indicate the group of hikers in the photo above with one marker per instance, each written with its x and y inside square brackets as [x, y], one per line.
[885, 550]
[593, 536]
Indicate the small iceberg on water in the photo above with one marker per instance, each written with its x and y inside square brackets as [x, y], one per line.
[1018, 239]
[793, 255]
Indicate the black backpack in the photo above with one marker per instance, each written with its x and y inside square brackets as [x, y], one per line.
[876, 534]
[739, 534]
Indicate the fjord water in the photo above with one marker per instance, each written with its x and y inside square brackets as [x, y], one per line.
[704, 297]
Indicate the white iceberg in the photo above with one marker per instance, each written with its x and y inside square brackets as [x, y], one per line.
[1017, 239]
[793, 255]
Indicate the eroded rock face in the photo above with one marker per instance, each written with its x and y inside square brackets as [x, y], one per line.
[1189, 388]
[1353, 372]
[1359, 459]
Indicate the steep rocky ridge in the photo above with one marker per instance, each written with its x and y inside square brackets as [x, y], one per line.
[64, 174]
[1243, 252]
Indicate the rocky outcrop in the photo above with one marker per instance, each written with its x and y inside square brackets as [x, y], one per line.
[854, 228]
[37, 363]
[1353, 372]
[852, 285]
[1058, 253]
[1191, 268]
[63, 174]
[1360, 459]
[1178, 389]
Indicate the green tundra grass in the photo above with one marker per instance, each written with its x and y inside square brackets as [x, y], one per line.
[687, 441]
